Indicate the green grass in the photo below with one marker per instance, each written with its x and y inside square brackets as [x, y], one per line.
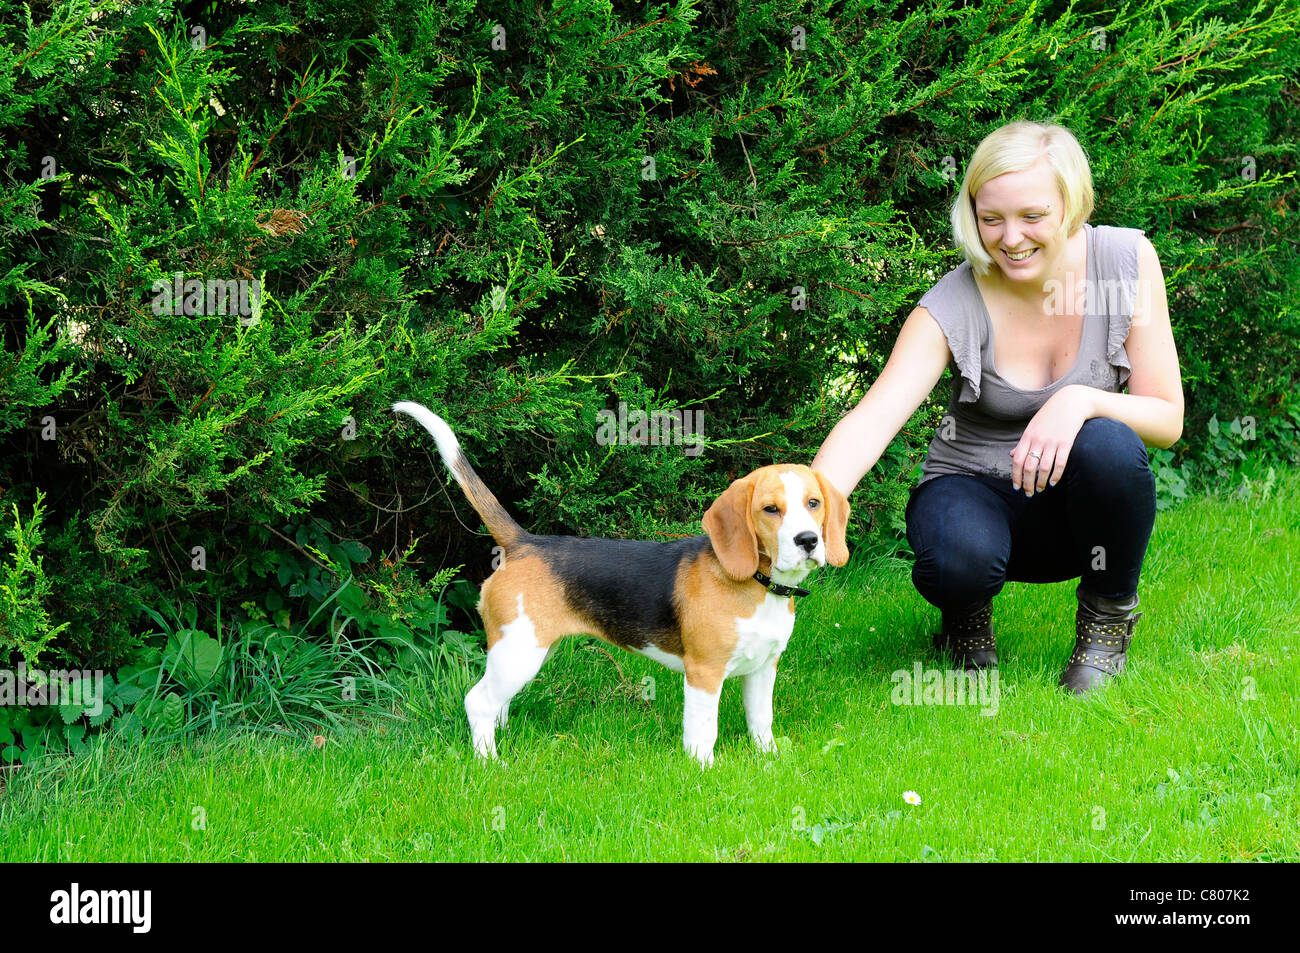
[1192, 755]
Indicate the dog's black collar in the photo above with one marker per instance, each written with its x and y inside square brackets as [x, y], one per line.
[777, 589]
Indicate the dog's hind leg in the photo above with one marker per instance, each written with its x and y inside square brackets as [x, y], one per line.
[514, 656]
[504, 716]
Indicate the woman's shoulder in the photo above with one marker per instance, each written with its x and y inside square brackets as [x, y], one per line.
[1116, 233]
[954, 287]
[1117, 248]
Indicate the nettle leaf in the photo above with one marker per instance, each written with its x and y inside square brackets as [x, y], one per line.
[127, 695]
[128, 725]
[82, 689]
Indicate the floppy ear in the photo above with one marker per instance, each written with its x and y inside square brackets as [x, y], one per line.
[731, 529]
[837, 521]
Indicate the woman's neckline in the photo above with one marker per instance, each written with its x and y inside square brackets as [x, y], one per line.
[1083, 325]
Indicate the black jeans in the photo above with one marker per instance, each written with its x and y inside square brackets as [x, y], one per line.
[971, 534]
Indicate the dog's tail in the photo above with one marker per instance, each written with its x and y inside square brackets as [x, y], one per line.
[499, 523]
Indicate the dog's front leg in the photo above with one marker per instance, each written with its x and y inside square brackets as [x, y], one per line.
[702, 690]
[756, 692]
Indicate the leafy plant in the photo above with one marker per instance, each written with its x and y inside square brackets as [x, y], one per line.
[25, 625]
[1171, 480]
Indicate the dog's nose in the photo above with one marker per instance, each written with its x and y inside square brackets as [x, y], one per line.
[806, 541]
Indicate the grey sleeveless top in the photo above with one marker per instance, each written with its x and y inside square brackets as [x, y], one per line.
[986, 415]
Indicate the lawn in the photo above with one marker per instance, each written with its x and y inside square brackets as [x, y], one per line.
[1191, 755]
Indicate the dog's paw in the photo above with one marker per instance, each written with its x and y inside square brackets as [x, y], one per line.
[485, 747]
[702, 756]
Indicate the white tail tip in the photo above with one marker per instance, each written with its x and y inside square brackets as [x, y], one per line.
[448, 445]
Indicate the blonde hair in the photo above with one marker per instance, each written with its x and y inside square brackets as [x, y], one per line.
[1014, 148]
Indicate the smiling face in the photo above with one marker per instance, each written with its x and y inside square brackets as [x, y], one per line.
[1019, 216]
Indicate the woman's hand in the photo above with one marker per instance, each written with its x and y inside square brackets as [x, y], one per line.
[1050, 433]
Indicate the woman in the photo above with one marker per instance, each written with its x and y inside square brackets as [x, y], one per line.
[1038, 472]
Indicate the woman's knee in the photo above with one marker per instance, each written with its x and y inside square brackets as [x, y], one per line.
[1108, 446]
[1111, 480]
[958, 574]
[961, 541]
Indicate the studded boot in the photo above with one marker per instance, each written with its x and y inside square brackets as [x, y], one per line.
[968, 635]
[1103, 630]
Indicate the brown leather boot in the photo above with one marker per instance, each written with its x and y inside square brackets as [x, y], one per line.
[1103, 630]
[968, 635]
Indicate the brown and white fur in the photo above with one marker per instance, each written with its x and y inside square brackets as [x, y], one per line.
[691, 604]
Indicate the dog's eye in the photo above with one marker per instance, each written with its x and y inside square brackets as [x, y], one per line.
[813, 504]
[771, 508]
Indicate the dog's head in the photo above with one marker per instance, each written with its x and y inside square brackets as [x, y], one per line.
[789, 512]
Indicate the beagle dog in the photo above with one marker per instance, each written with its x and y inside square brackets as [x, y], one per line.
[709, 606]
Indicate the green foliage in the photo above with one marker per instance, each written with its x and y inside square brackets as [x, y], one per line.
[522, 216]
[44, 719]
[271, 676]
[258, 677]
[1171, 480]
[24, 621]
[1239, 458]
